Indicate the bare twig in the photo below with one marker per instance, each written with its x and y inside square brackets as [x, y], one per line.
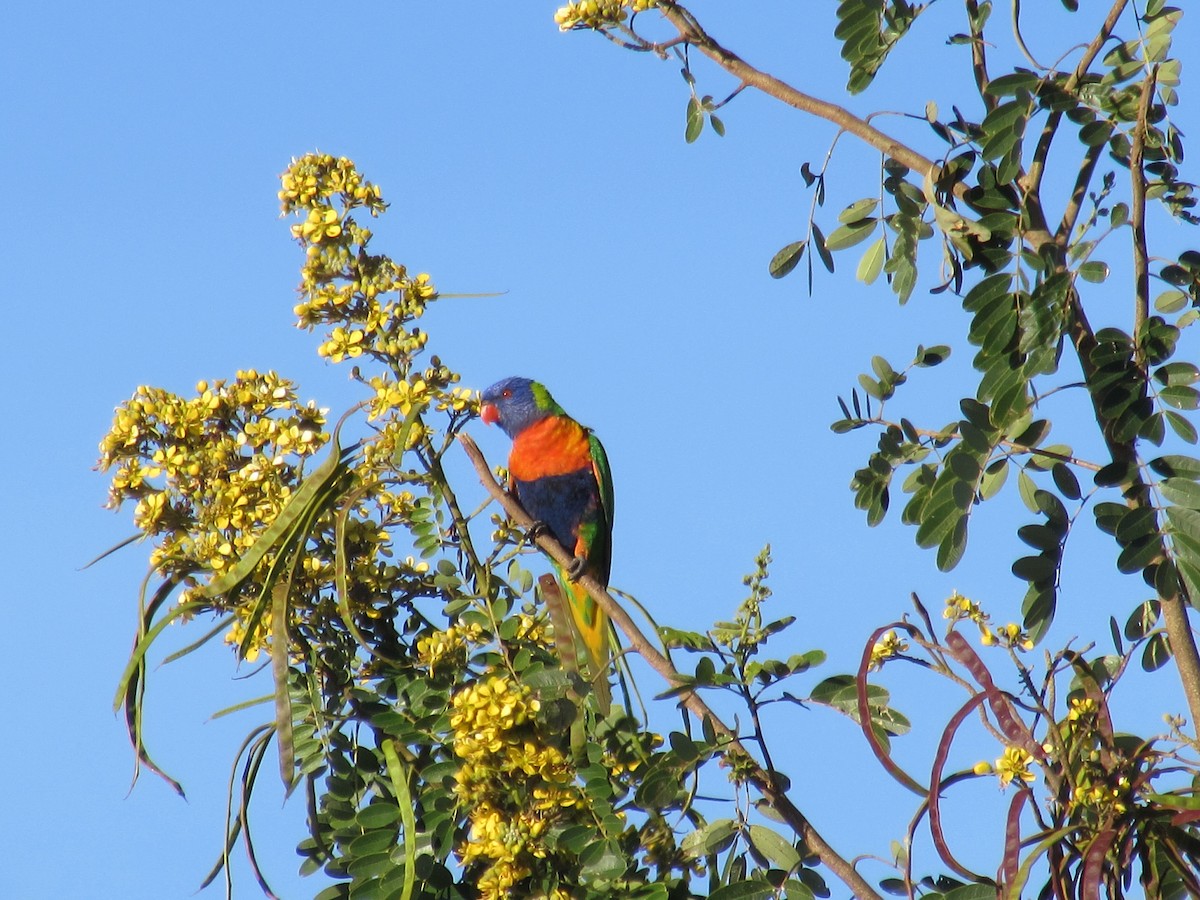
[692, 701]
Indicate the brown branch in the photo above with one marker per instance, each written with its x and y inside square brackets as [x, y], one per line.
[1137, 206]
[693, 34]
[1038, 167]
[979, 57]
[641, 645]
[1174, 608]
[1084, 178]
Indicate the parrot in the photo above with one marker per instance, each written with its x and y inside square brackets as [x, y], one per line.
[559, 472]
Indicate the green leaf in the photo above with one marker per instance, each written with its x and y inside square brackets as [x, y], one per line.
[1094, 271]
[602, 862]
[1177, 465]
[786, 259]
[1027, 488]
[1180, 396]
[845, 236]
[1067, 483]
[1181, 491]
[822, 250]
[1142, 620]
[1035, 568]
[775, 848]
[1156, 653]
[1171, 301]
[951, 550]
[751, 889]
[712, 838]
[857, 210]
[1095, 133]
[872, 261]
[695, 120]
[932, 356]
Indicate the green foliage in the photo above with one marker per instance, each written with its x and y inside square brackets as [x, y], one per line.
[420, 705]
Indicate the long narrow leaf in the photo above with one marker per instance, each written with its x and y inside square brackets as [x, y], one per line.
[139, 651]
[279, 671]
[245, 704]
[133, 538]
[221, 625]
[249, 778]
[133, 683]
[296, 508]
[233, 827]
[407, 818]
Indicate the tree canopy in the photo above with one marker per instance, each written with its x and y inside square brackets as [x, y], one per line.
[420, 702]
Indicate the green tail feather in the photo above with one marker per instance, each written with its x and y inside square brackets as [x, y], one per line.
[591, 626]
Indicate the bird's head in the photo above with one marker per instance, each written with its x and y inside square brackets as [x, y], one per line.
[516, 403]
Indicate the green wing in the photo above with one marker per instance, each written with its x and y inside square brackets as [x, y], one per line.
[602, 555]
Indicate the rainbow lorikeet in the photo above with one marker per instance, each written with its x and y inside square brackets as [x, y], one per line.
[559, 472]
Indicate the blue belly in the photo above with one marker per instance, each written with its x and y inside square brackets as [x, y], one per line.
[563, 502]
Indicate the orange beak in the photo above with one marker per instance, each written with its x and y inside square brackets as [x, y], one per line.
[489, 414]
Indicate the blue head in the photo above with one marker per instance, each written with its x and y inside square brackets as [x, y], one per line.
[516, 403]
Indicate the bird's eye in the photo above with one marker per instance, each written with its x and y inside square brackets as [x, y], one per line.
[506, 394]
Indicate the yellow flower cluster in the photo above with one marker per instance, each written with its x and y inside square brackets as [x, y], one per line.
[367, 299]
[1081, 708]
[210, 473]
[1009, 635]
[959, 607]
[449, 644]
[598, 13]
[316, 177]
[1103, 798]
[514, 781]
[890, 646]
[237, 631]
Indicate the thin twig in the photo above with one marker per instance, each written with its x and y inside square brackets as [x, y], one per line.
[979, 57]
[1038, 167]
[641, 645]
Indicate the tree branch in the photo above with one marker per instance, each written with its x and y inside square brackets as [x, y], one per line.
[1137, 206]
[692, 701]
[693, 34]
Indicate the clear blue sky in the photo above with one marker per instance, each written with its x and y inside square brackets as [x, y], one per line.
[142, 144]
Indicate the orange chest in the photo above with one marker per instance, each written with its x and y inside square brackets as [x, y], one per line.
[553, 446]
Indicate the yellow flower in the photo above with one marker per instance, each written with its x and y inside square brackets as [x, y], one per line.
[1014, 766]
[342, 343]
[589, 14]
[959, 607]
[322, 222]
[891, 645]
[1081, 707]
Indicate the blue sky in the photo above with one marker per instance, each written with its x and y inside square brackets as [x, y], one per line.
[143, 246]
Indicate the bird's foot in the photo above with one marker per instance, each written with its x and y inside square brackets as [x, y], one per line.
[575, 569]
[537, 529]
